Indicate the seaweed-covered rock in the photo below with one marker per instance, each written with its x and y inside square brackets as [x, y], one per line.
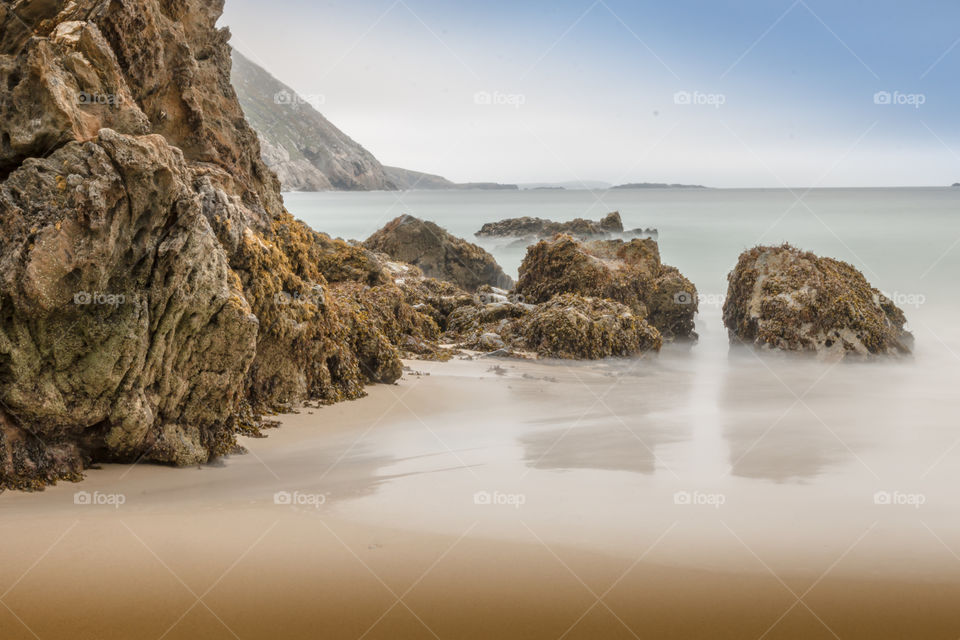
[527, 227]
[155, 295]
[627, 272]
[572, 326]
[437, 253]
[788, 299]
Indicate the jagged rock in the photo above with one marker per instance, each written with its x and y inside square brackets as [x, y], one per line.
[536, 228]
[627, 272]
[784, 298]
[119, 311]
[438, 254]
[155, 296]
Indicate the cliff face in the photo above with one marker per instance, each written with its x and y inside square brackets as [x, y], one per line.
[154, 293]
[305, 150]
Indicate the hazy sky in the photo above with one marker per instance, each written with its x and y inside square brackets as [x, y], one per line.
[723, 92]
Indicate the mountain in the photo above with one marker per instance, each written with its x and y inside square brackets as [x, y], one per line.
[304, 149]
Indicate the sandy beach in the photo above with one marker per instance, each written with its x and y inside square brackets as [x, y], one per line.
[443, 506]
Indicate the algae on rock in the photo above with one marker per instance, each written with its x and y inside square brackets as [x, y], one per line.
[791, 300]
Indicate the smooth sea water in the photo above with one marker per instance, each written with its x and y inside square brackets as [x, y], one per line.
[806, 456]
[904, 240]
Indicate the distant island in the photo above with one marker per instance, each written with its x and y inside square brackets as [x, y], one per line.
[573, 185]
[407, 180]
[658, 185]
[955, 184]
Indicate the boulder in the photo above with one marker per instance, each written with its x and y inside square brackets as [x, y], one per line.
[438, 254]
[536, 228]
[573, 326]
[630, 273]
[791, 300]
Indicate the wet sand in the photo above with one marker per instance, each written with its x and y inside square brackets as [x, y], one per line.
[500, 499]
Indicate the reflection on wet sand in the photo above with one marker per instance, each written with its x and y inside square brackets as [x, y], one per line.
[600, 446]
[790, 419]
[622, 418]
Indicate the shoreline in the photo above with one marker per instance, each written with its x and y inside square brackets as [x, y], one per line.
[397, 471]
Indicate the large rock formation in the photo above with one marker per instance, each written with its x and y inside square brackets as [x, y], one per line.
[154, 293]
[536, 228]
[438, 253]
[307, 152]
[630, 273]
[784, 298]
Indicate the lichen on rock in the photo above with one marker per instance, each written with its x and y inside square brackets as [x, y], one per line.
[787, 299]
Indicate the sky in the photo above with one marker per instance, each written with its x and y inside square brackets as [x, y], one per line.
[725, 93]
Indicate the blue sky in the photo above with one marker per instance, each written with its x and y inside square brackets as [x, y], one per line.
[739, 94]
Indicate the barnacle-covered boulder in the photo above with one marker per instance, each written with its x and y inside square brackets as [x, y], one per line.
[630, 273]
[577, 327]
[792, 300]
